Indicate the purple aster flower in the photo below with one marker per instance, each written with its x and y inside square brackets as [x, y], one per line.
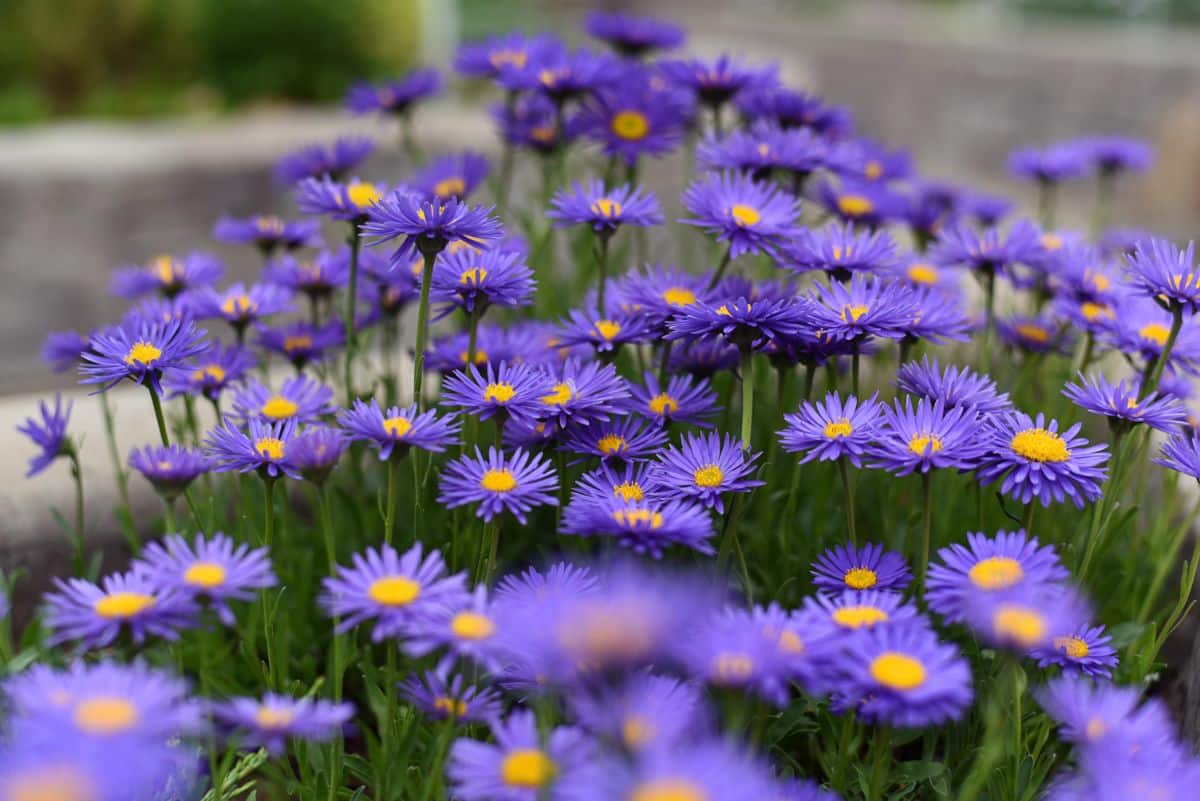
[621, 440]
[299, 398]
[316, 278]
[631, 34]
[987, 565]
[658, 292]
[1049, 165]
[49, 434]
[987, 251]
[645, 526]
[684, 399]
[272, 721]
[261, 446]
[902, 676]
[63, 350]
[159, 310]
[215, 569]
[352, 201]
[847, 567]
[169, 468]
[167, 276]
[1027, 616]
[930, 437]
[443, 698]
[1040, 334]
[521, 765]
[872, 161]
[985, 209]
[466, 628]
[865, 307]
[140, 352]
[752, 216]
[741, 322]
[861, 202]
[630, 483]
[645, 711]
[1160, 270]
[716, 81]
[1091, 713]
[96, 614]
[1115, 154]
[1122, 405]
[833, 428]
[705, 467]
[703, 359]
[210, 373]
[316, 161]
[766, 147]
[1036, 461]
[78, 768]
[429, 226]
[510, 391]
[394, 97]
[455, 175]
[605, 332]
[315, 451]
[604, 210]
[302, 343]
[531, 123]
[796, 109]
[936, 317]
[633, 119]
[729, 651]
[853, 610]
[397, 430]
[1085, 650]
[711, 768]
[1095, 317]
[841, 250]
[955, 386]
[1141, 329]
[1181, 454]
[473, 281]
[930, 207]
[515, 483]
[583, 392]
[268, 232]
[391, 589]
[240, 306]
[486, 59]
[560, 74]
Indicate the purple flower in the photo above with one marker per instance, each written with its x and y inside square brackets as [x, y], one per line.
[833, 428]
[711, 768]
[634, 119]
[684, 399]
[841, 250]
[270, 722]
[317, 278]
[583, 392]
[630, 483]
[846, 567]
[299, 398]
[1049, 165]
[930, 437]
[49, 434]
[716, 81]
[215, 568]
[753, 217]
[706, 467]
[96, 614]
[936, 317]
[521, 765]
[513, 483]
[300, 342]
[63, 350]
[987, 251]
[315, 451]
[510, 391]
[167, 276]
[620, 440]
[441, 698]
[1036, 461]
[729, 651]
[659, 292]
[268, 232]
[1025, 617]
[645, 526]
[902, 676]
[645, 711]
[1160, 270]
[473, 281]
[466, 628]
[210, 373]
[262, 447]
[1141, 328]
[316, 161]
[1115, 154]
[76, 767]
[454, 175]
[955, 386]
[429, 226]
[1093, 713]
[238, 305]
[531, 123]
[631, 34]
[988, 565]
[490, 57]
[604, 210]
[854, 610]
[605, 332]
[866, 307]
[394, 97]
[1182, 454]
[170, 468]
[140, 352]
[558, 73]
[1085, 650]
[397, 430]
[1123, 406]
[741, 322]
[766, 147]
[861, 202]
[352, 201]
[796, 109]
[1040, 334]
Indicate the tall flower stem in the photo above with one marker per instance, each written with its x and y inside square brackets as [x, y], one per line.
[601, 252]
[810, 372]
[389, 333]
[169, 526]
[473, 318]
[1027, 518]
[335, 755]
[1045, 204]
[992, 748]
[389, 517]
[989, 322]
[664, 360]
[354, 240]
[854, 365]
[158, 416]
[110, 435]
[881, 753]
[721, 268]
[423, 325]
[747, 396]
[1102, 210]
[1155, 369]
[77, 535]
[268, 531]
[388, 723]
[848, 500]
[926, 521]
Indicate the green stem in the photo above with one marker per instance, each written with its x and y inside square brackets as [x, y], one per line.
[1102, 210]
[601, 252]
[158, 415]
[854, 364]
[926, 521]
[268, 530]
[422, 328]
[389, 519]
[349, 321]
[1158, 365]
[881, 753]
[721, 268]
[110, 434]
[848, 496]
[1046, 197]
[810, 372]
[77, 544]
[1027, 518]
[1166, 561]
[169, 526]
[747, 396]
[387, 725]
[989, 323]
[436, 766]
[664, 360]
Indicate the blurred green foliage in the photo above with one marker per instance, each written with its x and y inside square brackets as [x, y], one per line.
[144, 57]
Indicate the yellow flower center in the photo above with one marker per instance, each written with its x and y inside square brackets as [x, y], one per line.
[636, 731]
[996, 573]
[1073, 647]
[608, 328]
[1020, 624]
[611, 443]
[1033, 333]
[527, 767]
[562, 394]
[860, 578]
[663, 404]
[498, 480]
[1095, 729]
[744, 215]
[861, 616]
[123, 604]
[238, 305]
[850, 314]
[394, 591]
[480, 357]
[508, 58]
[397, 427]
[52, 783]
[920, 444]
[297, 342]
[1155, 332]
[873, 170]
[606, 207]
[542, 133]
[668, 790]
[362, 194]
[279, 408]
[925, 274]
[450, 187]
[205, 574]
[473, 276]
[1093, 311]
[269, 448]
[1052, 241]
[472, 626]
[269, 224]
[143, 353]
[628, 491]
[163, 268]
[732, 668]
[1187, 281]
[1040, 445]
[630, 125]
[838, 428]
[854, 205]
[502, 392]
[898, 671]
[105, 715]
[679, 296]
[273, 717]
[450, 707]
[638, 517]
[790, 642]
[708, 476]
[214, 372]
